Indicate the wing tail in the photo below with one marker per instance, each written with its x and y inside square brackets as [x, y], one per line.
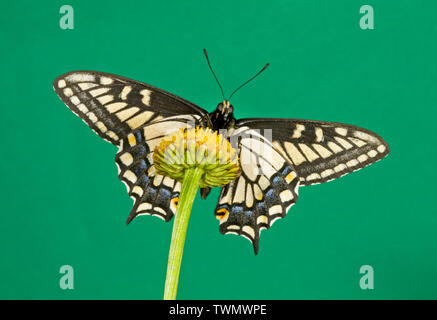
[265, 191]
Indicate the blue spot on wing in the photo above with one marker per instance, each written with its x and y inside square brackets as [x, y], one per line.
[164, 195]
[143, 180]
[286, 171]
[270, 195]
[276, 180]
[150, 193]
[140, 167]
[237, 210]
[140, 150]
[138, 136]
[261, 207]
[249, 213]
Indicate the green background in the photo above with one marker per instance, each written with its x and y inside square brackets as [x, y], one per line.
[62, 203]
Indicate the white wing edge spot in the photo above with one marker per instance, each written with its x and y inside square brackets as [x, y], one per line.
[106, 80]
[381, 148]
[81, 77]
[146, 96]
[61, 83]
[298, 131]
[341, 131]
[75, 100]
[68, 92]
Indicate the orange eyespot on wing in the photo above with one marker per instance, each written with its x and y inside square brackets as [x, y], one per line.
[222, 213]
[174, 202]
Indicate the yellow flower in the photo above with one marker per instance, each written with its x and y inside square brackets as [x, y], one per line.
[199, 148]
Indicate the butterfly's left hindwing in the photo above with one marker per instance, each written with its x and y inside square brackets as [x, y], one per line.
[265, 191]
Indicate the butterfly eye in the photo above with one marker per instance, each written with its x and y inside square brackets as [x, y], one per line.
[220, 107]
[231, 108]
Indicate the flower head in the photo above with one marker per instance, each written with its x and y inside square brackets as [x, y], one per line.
[197, 148]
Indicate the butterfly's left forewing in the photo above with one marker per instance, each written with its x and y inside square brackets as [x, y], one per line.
[321, 151]
[266, 189]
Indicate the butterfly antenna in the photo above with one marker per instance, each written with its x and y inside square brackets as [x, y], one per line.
[209, 64]
[265, 67]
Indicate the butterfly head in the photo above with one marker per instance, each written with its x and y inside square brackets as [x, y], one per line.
[225, 108]
[223, 115]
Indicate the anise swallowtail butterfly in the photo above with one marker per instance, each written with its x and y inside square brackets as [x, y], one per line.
[134, 116]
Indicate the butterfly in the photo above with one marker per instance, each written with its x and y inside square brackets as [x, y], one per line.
[277, 155]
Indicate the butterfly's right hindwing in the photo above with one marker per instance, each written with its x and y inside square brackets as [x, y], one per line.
[153, 194]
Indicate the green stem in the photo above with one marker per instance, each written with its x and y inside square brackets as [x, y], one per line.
[190, 184]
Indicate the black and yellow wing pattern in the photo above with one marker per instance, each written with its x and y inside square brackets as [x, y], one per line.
[321, 151]
[265, 191]
[286, 154]
[276, 155]
[134, 116]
